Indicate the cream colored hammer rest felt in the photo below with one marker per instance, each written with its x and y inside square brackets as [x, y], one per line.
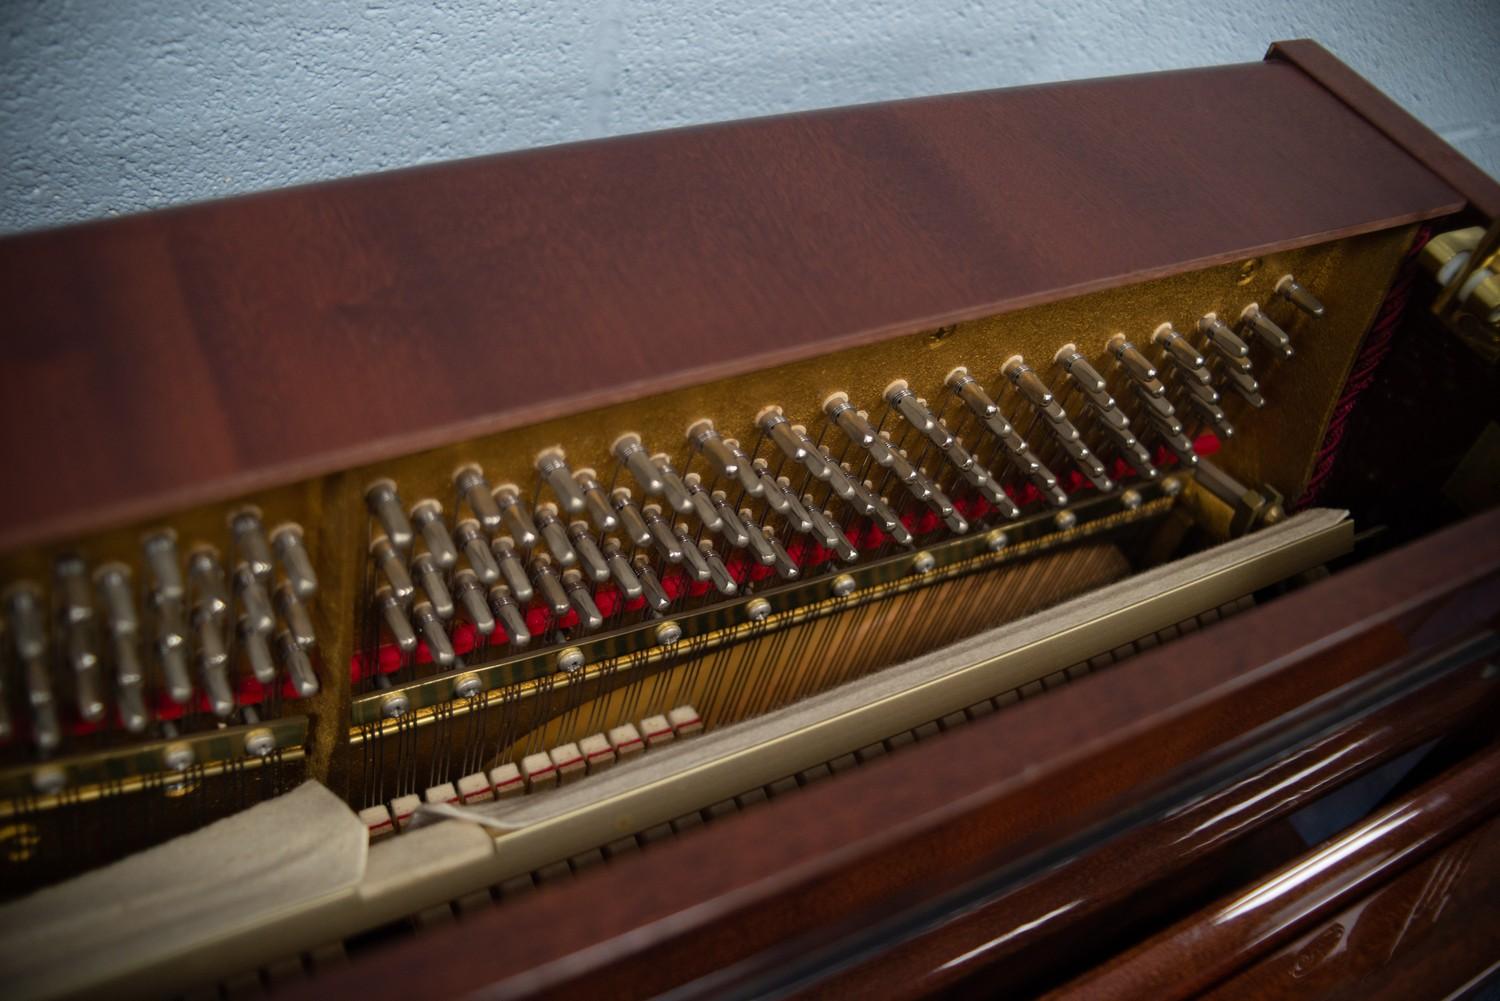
[685, 776]
[297, 872]
[228, 877]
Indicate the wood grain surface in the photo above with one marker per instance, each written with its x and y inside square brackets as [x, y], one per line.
[1480, 189]
[909, 827]
[197, 353]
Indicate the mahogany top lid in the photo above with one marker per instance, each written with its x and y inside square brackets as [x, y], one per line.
[199, 352]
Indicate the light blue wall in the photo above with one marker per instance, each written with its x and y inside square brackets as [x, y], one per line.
[119, 105]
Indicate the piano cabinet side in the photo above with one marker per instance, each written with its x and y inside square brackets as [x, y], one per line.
[752, 894]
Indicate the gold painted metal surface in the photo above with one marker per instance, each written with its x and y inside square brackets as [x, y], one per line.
[634, 648]
[1273, 446]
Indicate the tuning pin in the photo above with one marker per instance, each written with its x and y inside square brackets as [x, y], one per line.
[797, 516]
[661, 534]
[858, 429]
[471, 598]
[427, 516]
[470, 539]
[703, 505]
[171, 646]
[544, 576]
[504, 550]
[1032, 388]
[213, 664]
[1298, 296]
[257, 650]
[1084, 376]
[594, 499]
[756, 541]
[1244, 384]
[392, 567]
[430, 579]
[637, 461]
[7, 728]
[656, 596]
[1178, 350]
[210, 592]
[553, 467]
[589, 616]
[385, 504]
[731, 527]
[692, 557]
[673, 490]
[632, 523]
[83, 658]
[287, 541]
[769, 488]
[1254, 320]
[1135, 364]
[1202, 393]
[298, 666]
[509, 613]
[29, 637]
[393, 612]
[589, 555]
[254, 602]
[130, 680]
[434, 632]
[78, 614]
[722, 579]
[514, 515]
[113, 583]
[555, 535]
[724, 456]
[1223, 340]
[161, 560]
[619, 569]
[294, 616]
[1214, 415]
[792, 443]
[786, 567]
[838, 481]
[829, 534]
[899, 395]
[470, 483]
[250, 542]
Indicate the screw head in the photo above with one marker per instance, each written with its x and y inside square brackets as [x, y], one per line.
[259, 743]
[997, 540]
[49, 779]
[395, 705]
[758, 610]
[466, 687]
[842, 585]
[569, 659]
[1171, 486]
[177, 757]
[1131, 499]
[923, 562]
[668, 633]
[1065, 520]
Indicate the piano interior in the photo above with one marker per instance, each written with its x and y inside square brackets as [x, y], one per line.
[251, 727]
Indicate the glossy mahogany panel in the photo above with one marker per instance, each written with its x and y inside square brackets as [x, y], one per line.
[1208, 947]
[1480, 189]
[904, 828]
[1043, 927]
[1430, 932]
[199, 352]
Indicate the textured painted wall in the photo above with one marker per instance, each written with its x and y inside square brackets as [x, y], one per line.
[110, 107]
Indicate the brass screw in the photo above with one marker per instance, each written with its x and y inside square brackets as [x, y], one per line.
[1248, 270]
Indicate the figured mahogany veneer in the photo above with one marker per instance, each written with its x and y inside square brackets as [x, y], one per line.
[198, 353]
[748, 898]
